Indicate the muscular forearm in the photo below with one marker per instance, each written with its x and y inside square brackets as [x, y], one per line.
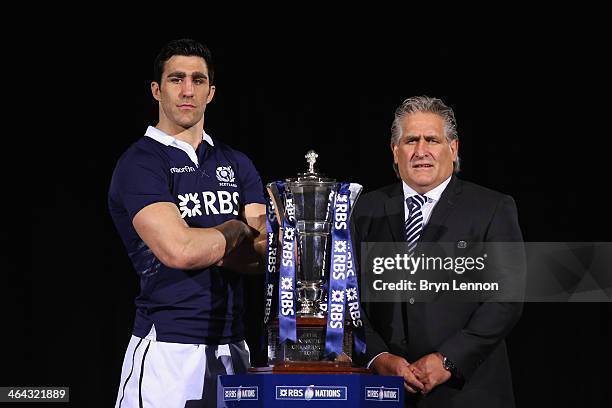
[208, 246]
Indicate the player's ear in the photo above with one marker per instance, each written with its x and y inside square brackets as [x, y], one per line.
[155, 91]
[211, 94]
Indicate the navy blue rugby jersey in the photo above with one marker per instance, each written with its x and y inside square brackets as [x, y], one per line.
[209, 186]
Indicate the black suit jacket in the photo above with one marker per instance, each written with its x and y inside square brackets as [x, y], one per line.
[469, 334]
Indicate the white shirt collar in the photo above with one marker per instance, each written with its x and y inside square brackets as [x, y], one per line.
[433, 194]
[167, 140]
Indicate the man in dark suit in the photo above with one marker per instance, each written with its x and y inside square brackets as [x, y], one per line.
[450, 354]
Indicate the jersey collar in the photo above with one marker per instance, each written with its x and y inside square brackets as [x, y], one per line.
[167, 140]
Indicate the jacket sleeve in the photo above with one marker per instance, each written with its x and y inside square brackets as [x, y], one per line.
[374, 342]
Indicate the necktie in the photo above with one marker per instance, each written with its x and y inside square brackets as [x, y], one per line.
[414, 223]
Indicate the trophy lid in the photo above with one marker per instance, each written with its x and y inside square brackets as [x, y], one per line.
[311, 175]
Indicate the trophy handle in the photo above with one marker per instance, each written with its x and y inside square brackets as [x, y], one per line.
[277, 200]
[355, 190]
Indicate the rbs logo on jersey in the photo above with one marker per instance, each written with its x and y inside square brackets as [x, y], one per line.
[212, 203]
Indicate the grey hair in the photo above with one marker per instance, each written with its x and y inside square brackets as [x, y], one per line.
[425, 104]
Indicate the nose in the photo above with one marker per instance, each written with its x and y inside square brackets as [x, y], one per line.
[420, 150]
[187, 87]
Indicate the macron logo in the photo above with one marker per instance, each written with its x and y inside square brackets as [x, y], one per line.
[186, 169]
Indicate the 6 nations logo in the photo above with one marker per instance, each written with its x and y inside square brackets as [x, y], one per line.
[240, 393]
[382, 394]
[311, 392]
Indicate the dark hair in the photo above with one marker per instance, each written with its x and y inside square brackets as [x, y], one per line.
[186, 47]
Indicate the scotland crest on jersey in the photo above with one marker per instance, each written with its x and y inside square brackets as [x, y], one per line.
[225, 175]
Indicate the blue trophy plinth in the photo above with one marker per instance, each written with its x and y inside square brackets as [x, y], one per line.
[310, 390]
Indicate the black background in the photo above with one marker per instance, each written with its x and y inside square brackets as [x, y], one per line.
[533, 123]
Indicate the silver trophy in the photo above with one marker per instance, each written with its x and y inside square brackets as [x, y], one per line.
[313, 198]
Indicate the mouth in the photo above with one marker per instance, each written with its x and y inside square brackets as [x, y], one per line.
[186, 106]
[422, 166]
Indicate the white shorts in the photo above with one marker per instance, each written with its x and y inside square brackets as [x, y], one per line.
[173, 375]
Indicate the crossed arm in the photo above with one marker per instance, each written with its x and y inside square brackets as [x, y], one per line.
[235, 244]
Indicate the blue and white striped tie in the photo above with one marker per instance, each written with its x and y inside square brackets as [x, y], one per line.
[414, 223]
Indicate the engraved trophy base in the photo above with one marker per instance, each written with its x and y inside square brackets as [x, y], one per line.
[307, 355]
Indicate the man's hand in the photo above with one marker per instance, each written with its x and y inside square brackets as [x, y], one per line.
[235, 233]
[245, 258]
[390, 364]
[431, 372]
[249, 256]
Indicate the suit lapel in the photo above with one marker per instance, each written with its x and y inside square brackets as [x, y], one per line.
[394, 210]
[436, 226]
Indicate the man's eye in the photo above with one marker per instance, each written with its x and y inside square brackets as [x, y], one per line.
[434, 141]
[198, 81]
[175, 80]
